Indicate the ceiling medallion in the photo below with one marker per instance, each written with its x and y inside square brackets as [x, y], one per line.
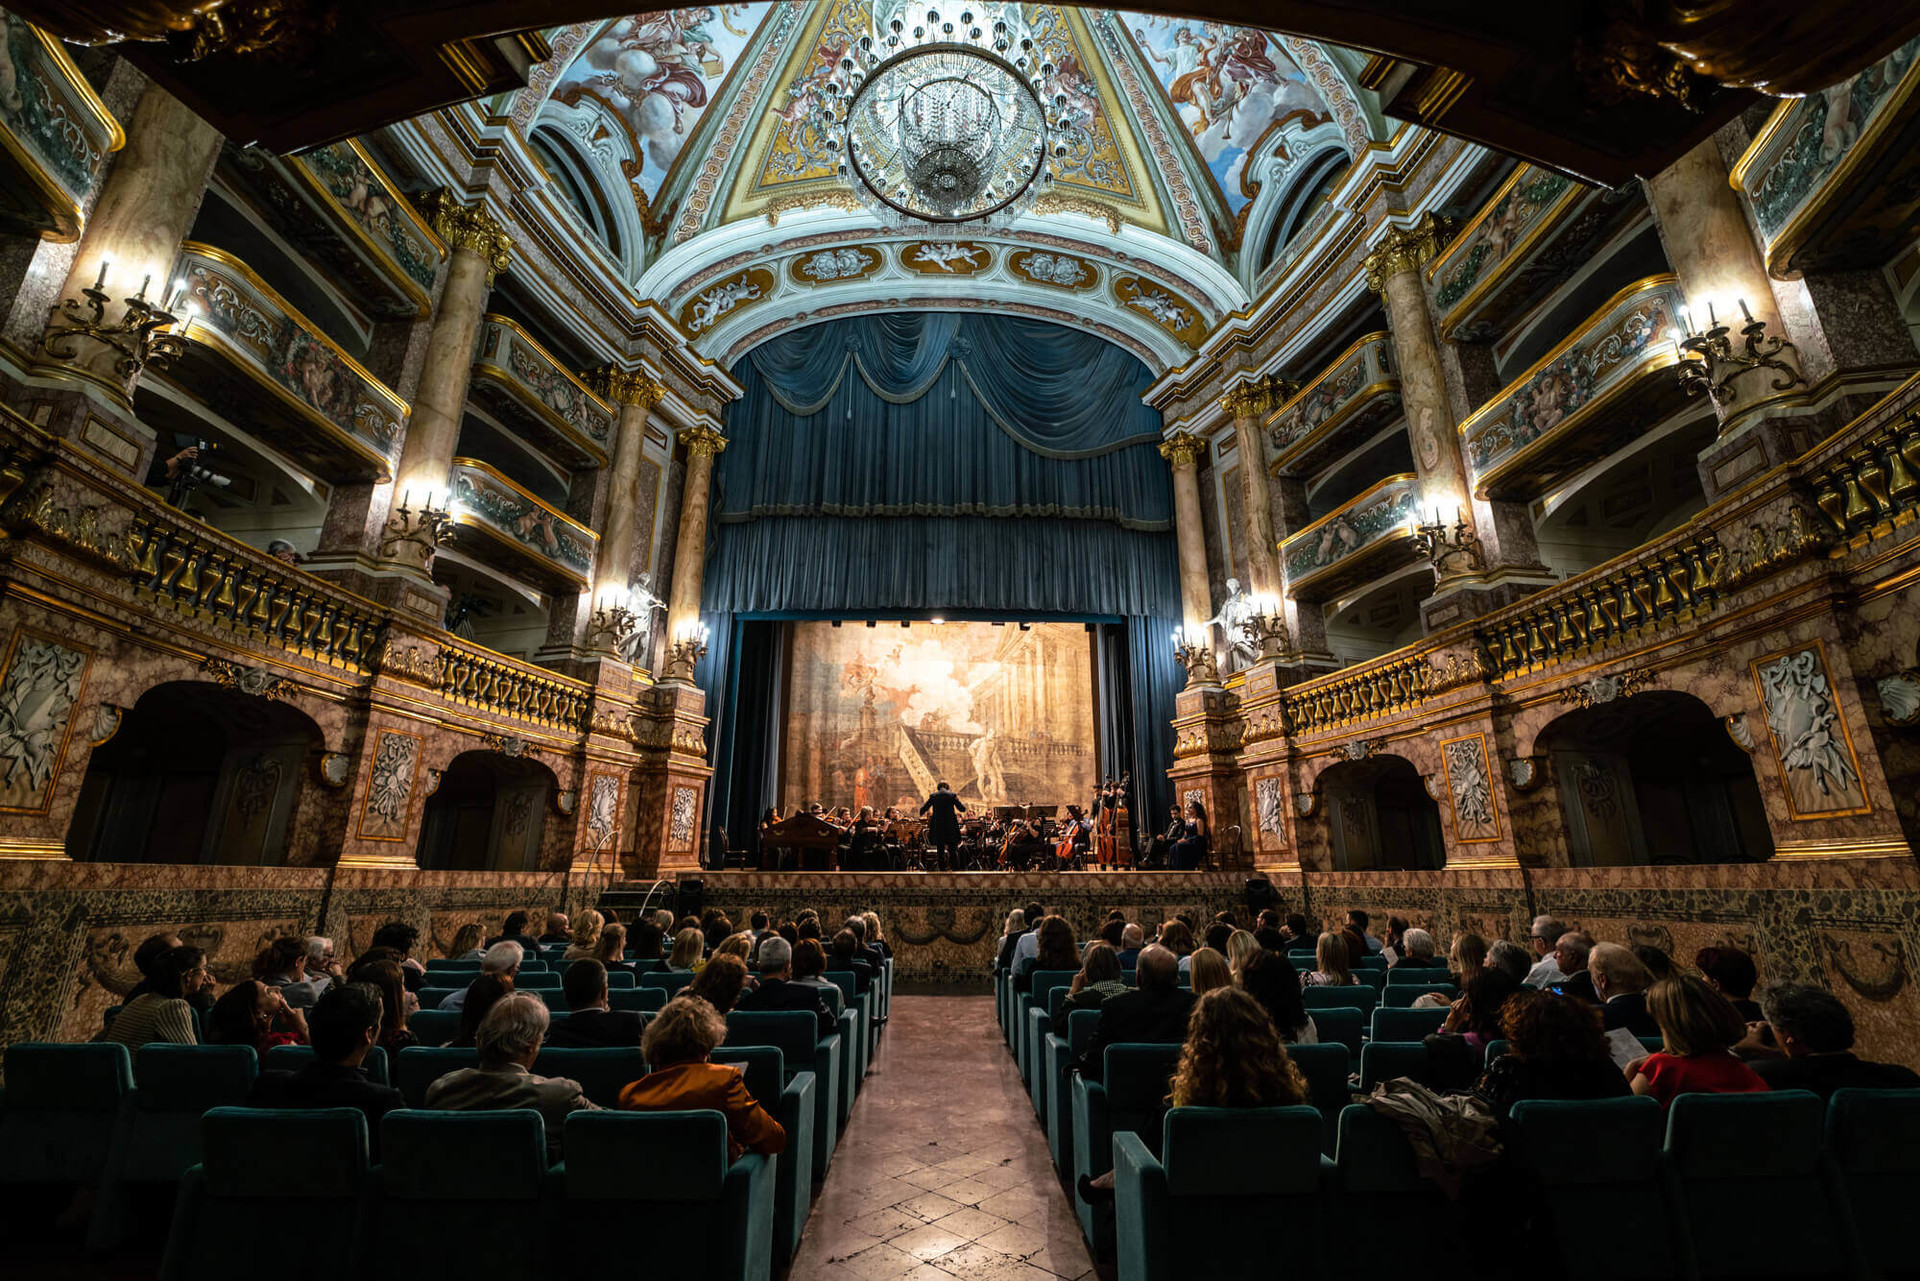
[944, 121]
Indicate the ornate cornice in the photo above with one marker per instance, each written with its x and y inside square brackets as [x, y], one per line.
[634, 387]
[468, 227]
[1260, 397]
[1183, 449]
[1406, 249]
[704, 441]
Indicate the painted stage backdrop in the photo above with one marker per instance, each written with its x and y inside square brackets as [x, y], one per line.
[880, 715]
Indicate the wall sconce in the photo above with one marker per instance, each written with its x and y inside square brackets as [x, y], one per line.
[1193, 650]
[1265, 625]
[612, 620]
[1710, 362]
[1440, 547]
[423, 531]
[143, 335]
[689, 646]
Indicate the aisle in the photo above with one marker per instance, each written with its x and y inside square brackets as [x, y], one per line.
[943, 1171]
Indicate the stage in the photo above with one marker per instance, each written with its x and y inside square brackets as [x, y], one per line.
[945, 927]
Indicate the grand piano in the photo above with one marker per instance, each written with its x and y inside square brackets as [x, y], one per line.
[812, 842]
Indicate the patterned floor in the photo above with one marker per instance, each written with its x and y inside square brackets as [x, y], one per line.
[943, 1172]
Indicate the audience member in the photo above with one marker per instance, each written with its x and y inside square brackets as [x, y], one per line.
[403, 938]
[875, 939]
[1154, 1012]
[1570, 954]
[1814, 1032]
[678, 1046]
[1658, 963]
[1269, 977]
[1394, 944]
[515, 931]
[161, 1013]
[1113, 933]
[558, 929]
[1098, 980]
[1700, 1030]
[689, 947]
[342, 1028]
[1210, 970]
[715, 927]
[649, 942]
[148, 954]
[386, 978]
[1054, 949]
[1417, 951]
[1028, 943]
[1132, 939]
[810, 965]
[1299, 933]
[1216, 937]
[1455, 1053]
[759, 925]
[1620, 982]
[1556, 1049]
[1510, 957]
[322, 963]
[1542, 941]
[246, 1015]
[466, 943]
[738, 944]
[508, 1041]
[501, 959]
[282, 964]
[779, 991]
[611, 950]
[719, 981]
[856, 925]
[1240, 945]
[1010, 938]
[586, 937]
[1732, 974]
[1177, 937]
[482, 995]
[590, 1024]
[1466, 958]
[1271, 939]
[1332, 957]
[1357, 922]
[843, 957]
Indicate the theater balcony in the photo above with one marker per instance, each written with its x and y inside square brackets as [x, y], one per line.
[337, 207]
[528, 391]
[1366, 538]
[55, 134]
[1354, 400]
[1830, 179]
[1531, 236]
[1593, 392]
[266, 366]
[499, 523]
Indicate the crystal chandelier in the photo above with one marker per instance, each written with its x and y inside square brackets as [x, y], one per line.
[946, 121]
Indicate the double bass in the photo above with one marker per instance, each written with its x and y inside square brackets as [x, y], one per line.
[1113, 831]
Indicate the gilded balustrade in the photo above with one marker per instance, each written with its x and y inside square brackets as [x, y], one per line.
[1384, 687]
[1874, 485]
[55, 134]
[490, 682]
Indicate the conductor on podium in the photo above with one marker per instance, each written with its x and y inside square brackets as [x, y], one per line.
[942, 812]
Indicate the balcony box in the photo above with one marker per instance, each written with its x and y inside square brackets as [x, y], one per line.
[503, 524]
[1350, 400]
[55, 134]
[519, 383]
[1364, 538]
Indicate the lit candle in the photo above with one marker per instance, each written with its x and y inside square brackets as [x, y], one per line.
[101, 280]
[1686, 320]
[406, 500]
[1459, 515]
[144, 282]
[1712, 319]
[1745, 312]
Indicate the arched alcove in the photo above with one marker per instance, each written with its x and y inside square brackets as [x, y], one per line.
[487, 815]
[1655, 779]
[1380, 818]
[197, 773]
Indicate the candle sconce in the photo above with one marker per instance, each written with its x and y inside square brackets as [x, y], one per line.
[424, 530]
[688, 647]
[1711, 363]
[1193, 650]
[143, 335]
[1441, 547]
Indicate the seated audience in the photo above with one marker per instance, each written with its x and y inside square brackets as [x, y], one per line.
[1209, 970]
[516, 932]
[1510, 957]
[1556, 1049]
[1417, 951]
[875, 940]
[719, 982]
[466, 943]
[1356, 928]
[759, 924]
[1155, 1012]
[1240, 945]
[843, 956]
[1700, 1030]
[1393, 944]
[147, 956]
[738, 944]
[1269, 977]
[1216, 937]
[1466, 958]
[343, 1026]
[1331, 959]
[161, 1013]
[1113, 933]
[508, 1041]
[810, 965]
[482, 995]
[586, 937]
[1542, 941]
[679, 1045]
[283, 964]
[779, 991]
[558, 930]
[386, 978]
[1814, 1032]
[1271, 939]
[611, 947]
[1621, 982]
[590, 1024]
[321, 961]
[1132, 939]
[1177, 937]
[1299, 933]
[1571, 955]
[1456, 1052]
[1732, 974]
[649, 942]
[1658, 963]
[689, 950]
[501, 959]
[857, 926]
[1098, 979]
[1010, 935]
[1054, 949]
[246, 1015]
[403, 938]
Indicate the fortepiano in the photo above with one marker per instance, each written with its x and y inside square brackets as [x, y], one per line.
[814, 841]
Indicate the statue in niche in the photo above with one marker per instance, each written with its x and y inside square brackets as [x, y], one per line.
[1235, 620]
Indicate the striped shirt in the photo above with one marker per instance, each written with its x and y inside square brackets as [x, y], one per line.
[152, 1017]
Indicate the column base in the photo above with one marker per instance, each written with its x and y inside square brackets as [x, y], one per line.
[62, 403]
[1469, 596]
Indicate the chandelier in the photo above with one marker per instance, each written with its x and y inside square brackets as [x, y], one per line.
[946, 122]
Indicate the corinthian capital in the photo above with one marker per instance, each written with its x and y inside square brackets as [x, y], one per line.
[626, 386]
[468, 227]
[1406, 249]
[1183, 449]
[1260, 397]
[701, 441]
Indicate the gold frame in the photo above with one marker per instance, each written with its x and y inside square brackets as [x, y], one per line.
[1493, 794]
[1819, 645]
[1338, 417]
[464, 517]
[419, 759]
[67, 211]
[485, 370]
[1342, 509]
[1549, 217]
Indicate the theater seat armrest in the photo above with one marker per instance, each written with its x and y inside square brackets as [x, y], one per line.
[175, 1264]
[1142, 1214]
[746, 1198]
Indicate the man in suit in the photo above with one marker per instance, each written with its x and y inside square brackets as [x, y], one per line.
[942, 812]
[778, 991]
[558, 929]
[1621, 982]
[516, 932]
[342, 1027]
[1815, 1033]
[1154, 1013]
[592, 1025]
[1132, 940]
[1570, 953]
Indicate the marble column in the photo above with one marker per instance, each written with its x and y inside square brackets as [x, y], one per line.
[1183, 452]
[690, 548]
[1249, 404]
[479, 249]
[147, 205]
[636, 392]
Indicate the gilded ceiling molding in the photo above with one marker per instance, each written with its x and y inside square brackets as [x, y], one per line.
[1170, 171]
[567, 42]
[1335, 90]
[780, 27]
[1152, 359]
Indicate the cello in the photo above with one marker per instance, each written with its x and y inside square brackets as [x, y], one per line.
[1112, 839]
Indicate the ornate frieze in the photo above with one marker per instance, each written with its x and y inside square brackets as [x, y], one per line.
[1356, 395]
[42, 683]
[256, 682]
[509, 517]
[55, 133]
[522, 384]
[1597, 691]
[1811, 741]
[1334, 546]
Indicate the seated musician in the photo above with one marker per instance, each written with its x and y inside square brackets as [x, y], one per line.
[864, 837]
[1188, 852]
[1162, 846]
[1024, 847]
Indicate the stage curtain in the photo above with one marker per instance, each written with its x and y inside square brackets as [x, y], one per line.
[1155, 678]
[943, 415]
[743, 671]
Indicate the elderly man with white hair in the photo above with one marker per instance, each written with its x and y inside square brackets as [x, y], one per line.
[1544, 939]
[1417, 951]
[507, 1043]
[502, 958]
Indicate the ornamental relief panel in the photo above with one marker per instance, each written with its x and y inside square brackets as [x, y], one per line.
[43, 681]
[1476, 814]
[1811, 741]
[391, 775]
[946, 257]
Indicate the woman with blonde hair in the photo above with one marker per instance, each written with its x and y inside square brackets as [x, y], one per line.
[1209, 970]
[1699, 1028]
[1240, 945]
[586, 937]
[689, 950]
[466, 943]
[740, 945]
[611, 949]
[1330, 964]
[875, 939]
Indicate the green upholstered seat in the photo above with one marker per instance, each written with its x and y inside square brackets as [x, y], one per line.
[431, 997]
[1130, 1098]
[1377, 1180]
[464, 1193]
[1406, 1025]
[670, 981]
[1735, 1164]
[59, 1110]
[796, 1034]
[1328, 1068]
[1583, 1153]
[260, 1168]
[1061, 1053]
[1387, 1060]
[645, 1000]
[664, 1178]
[619, 978]
[433, 1027]
[1204, 1188]
[791, 1103]
[1345, 1024]
[1494, 1050]
[1026, 1004]
[527, 980]
[648, 966]
[857, 1045]
[1870, 1140]
[291, 1058]
[601, 1072]
[1049, 999]
[417, 1067]
[1425, 978]
[1402, 998]
[1353, 996]
[1372, 961]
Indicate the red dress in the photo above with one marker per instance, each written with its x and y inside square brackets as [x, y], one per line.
[1717, 1072]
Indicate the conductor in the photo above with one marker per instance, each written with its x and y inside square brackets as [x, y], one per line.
[943, 827]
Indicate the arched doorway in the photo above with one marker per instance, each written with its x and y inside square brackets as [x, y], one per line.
[487, 815]
[197, 773]
[1655, 779]
[1380, 818]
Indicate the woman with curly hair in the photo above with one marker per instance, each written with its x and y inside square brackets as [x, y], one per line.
[719, 981]
[1177, 937]
[586, 936]
[1555, 1050]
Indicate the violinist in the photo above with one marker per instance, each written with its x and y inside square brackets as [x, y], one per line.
[767, 820]
[864, 837]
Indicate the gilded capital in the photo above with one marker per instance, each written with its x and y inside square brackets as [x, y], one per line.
[1406, 249]
[1182, 449]
[626, 386]
[703, 441]
[1260, 397]
[468, 227]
